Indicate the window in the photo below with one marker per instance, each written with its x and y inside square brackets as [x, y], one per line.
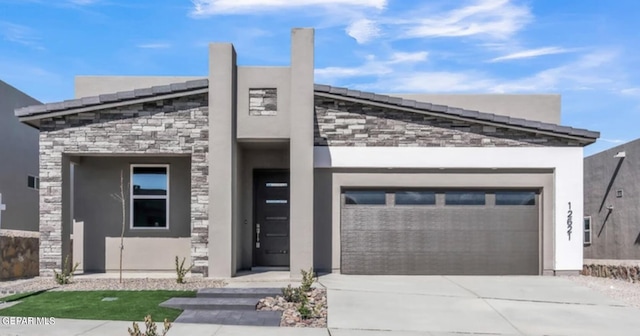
[587, 230]
[365, 197]
[515, 198]
[415, 198]
[33, 182]
[150, 196]
[464, 198]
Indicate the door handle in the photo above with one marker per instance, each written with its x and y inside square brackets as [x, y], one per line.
[257, 235]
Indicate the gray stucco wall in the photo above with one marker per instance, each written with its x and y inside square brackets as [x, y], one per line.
[165, 128]
[540, 107]
[615, 233]
[345, 123]
[97, 179]
[86, 86]
[19, 153]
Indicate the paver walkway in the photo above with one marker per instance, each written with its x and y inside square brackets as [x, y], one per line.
[226, 306]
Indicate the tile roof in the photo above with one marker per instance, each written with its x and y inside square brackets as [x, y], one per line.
[457, 112]
[113, 98]
[199, 84]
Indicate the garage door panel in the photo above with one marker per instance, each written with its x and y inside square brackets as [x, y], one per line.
[396, 218]
[439, 263]
[437, 240]
[440, 239]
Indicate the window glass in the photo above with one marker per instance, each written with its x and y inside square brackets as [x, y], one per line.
[464, 198]
[33, 182]
[149, 212]
[515, 198]
[150, 181]
[587, 230]
[415, 198]
[365, 197]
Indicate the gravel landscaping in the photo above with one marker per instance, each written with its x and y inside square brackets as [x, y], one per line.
[624, 291]
[38, 284]
[291, 317]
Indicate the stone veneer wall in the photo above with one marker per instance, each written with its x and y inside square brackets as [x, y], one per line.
[19, 254]
[630, 273]
[345, 123]
[263, 102]
[168, 127]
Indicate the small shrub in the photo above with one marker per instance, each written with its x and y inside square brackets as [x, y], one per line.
[181, 271]
[151, 328]
[307, 280]
[293, 294]
[304, 311]
[65, 275]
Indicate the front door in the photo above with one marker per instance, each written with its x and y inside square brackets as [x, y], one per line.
[271, 218]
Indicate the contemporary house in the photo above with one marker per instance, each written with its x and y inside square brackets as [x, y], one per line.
[18, 163]
[255, 168]
[611, 199]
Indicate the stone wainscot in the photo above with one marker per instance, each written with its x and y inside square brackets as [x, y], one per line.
[19, 253]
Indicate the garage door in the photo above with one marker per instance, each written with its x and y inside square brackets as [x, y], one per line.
[440, 232]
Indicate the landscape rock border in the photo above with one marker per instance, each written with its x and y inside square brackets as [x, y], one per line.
[290, 316]
[620, 272]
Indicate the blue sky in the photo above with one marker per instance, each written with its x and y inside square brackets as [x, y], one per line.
[586, 50]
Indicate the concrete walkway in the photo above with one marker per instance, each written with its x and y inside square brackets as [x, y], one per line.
[63, 327]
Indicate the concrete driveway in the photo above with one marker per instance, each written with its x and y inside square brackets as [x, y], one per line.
[454, 305]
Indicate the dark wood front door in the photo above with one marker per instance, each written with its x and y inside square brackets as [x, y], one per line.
[271, 218]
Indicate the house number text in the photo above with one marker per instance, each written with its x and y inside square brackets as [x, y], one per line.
[569, 221]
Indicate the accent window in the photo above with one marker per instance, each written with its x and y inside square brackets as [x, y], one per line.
[415, 198]
[587, 230]
[464, 198]
[150, 196]
[515, 198]
[365, 197]
[33, 182]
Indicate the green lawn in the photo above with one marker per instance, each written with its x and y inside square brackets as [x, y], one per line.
[130, 305]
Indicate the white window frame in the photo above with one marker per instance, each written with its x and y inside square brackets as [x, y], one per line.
[132, 196]
[587, 233]
[36, 182]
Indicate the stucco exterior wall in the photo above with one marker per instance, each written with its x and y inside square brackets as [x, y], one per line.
[18, 142]
[540, 107]
[87, 86]
[97, 181]
[565, 162]
[344, 123]
[165, 128]
[616, 232]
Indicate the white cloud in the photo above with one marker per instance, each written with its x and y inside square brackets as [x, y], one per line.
[154, 46]
[363, 30]
[532, 53]
[20, 34]
[217, 7]
[594, 71]
[613, 141]
[372, 66]
[491, 18]
[83, 2]
[408, 57]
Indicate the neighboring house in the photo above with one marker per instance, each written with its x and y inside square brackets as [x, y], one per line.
[258, 168]
[18, 163]
[612, 203]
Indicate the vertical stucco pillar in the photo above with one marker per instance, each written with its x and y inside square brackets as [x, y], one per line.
[222, 157]
[301, 150]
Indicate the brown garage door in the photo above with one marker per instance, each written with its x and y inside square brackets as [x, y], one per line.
[440, 232]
